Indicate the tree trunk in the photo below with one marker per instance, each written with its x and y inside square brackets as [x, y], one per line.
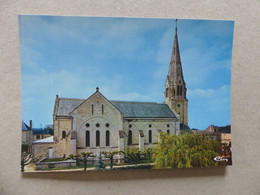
[111, 162]
[85, 164]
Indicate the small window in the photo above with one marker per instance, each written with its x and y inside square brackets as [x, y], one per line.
[87, 125]
[107, 138]
[107, 125]
[168, 131]
[150, 125]
[92, 108]
[130, 137]
[97, 138]
[130, 126]
[63, 134]
[102, 109]
[150, 136]
[38, 137]
[87, 139]
[97, 125]
[180, 90]
[168, 125]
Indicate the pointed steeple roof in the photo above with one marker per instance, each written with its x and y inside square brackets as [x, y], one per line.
[175, 68]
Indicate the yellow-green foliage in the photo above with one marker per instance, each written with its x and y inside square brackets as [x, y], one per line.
[186, 151]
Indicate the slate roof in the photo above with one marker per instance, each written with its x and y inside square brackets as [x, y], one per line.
[143, 110]
[65, 106]
[24, 126]
[129, 109]
[225, 129]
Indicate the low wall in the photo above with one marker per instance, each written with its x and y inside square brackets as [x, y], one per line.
[58, 164]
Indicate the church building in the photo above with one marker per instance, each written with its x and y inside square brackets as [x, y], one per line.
[97, 124]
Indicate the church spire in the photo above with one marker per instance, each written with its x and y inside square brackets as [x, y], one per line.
[175, 68]
[175, 86]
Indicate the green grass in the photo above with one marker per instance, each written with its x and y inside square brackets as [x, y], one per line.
[54, 160]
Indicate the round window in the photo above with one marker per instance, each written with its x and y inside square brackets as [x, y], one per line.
[107, 125]
[87, 124]
[97, 125]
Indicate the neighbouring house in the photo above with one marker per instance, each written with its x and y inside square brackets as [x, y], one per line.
[27, 137]
[43, 148]
[30, 134]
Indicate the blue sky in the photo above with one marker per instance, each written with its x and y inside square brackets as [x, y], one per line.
[128, 59]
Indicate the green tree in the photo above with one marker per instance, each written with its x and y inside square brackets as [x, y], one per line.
[148, 152]
[83, 156]
[133, 155]
[110, 155]
[185, 151]
[100, 165]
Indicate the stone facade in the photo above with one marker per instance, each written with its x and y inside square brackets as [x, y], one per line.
[41, 150]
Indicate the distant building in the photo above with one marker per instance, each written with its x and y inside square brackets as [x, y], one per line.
[225, 132]
[30, 134]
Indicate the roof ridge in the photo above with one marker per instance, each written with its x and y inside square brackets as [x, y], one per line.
[62, 98]
[119, 101]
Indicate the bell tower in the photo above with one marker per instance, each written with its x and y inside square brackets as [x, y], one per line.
[175, 87]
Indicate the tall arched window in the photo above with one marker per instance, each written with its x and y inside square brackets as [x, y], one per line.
[150, 136]
[97, 138]
[129, 137]
[92, 109]
[87, 139]
[180, 90]
[63, 134]
[107, 138]
[168, 131]
[102, 109]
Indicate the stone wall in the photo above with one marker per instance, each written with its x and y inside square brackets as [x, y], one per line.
[145, 125]
[41, 150]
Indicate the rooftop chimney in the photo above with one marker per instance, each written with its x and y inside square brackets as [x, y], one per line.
[30, 124]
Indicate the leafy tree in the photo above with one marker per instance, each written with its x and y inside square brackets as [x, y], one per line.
[100, 165]
[83, 156]
[185, 151]
[148, 152]
[134, 155]
[110, 155]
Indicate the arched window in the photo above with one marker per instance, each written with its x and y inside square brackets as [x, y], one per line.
[97, 138]
[87, 139]
[63, 134]
[107, 138]
[168, 131]
[102, 109]
[150, 136]
[180, 90]
[129, 137]
[166, 92]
